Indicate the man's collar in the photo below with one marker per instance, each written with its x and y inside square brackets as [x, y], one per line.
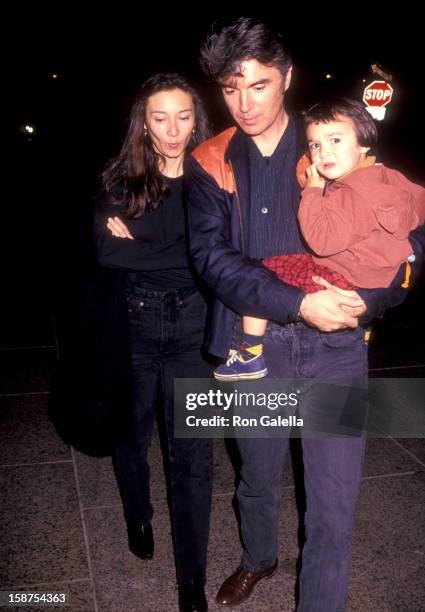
[236, 146]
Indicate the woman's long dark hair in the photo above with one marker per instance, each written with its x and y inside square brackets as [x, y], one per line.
[135, 171]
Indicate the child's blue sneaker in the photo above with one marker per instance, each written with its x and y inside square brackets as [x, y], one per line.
[237, 369]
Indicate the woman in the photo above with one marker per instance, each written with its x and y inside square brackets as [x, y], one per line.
[140, 228]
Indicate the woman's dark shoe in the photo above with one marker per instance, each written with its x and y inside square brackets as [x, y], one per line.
[140, 540]
[192, 597]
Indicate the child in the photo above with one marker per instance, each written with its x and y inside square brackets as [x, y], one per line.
[355, 216]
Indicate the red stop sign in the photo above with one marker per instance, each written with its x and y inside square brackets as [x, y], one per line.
[377, 93]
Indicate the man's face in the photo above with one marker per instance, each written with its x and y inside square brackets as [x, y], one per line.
[255, 97]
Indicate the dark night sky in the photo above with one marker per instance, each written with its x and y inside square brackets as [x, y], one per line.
[102, 64]
[81, 117]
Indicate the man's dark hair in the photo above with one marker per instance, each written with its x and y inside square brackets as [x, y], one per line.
[364, 126]
[242, 39]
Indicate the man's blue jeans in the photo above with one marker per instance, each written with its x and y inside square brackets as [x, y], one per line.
[332, 469]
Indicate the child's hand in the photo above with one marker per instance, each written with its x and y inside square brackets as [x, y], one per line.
[313, 177]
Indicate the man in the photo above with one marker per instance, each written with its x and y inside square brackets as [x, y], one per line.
[242, 197]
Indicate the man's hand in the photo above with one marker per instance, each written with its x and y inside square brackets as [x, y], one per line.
[313, 177]
[118, 228]
[331, 309]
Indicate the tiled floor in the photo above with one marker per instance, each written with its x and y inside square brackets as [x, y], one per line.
[62, 526]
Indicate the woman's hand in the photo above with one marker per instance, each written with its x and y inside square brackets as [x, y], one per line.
[118, 228]
[313, 177]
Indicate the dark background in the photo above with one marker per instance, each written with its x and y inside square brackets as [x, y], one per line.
[80, 117]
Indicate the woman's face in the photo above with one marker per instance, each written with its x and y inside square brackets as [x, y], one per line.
[170, 119]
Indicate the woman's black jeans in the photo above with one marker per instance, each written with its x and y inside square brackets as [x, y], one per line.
[167, 330]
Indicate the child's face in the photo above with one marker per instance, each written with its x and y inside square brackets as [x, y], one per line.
[334, 147]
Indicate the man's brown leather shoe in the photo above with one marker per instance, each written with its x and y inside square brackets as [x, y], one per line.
[238, 587]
